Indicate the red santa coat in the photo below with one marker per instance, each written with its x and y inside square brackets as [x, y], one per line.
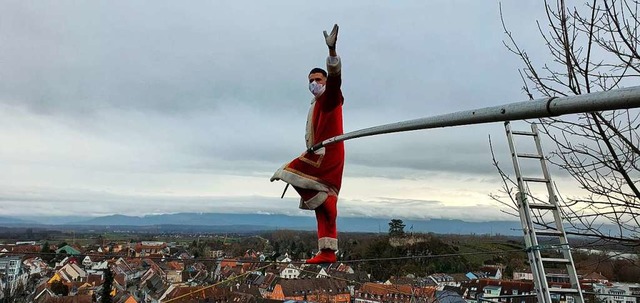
[320, 171]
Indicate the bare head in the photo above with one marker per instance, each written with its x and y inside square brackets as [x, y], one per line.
[318, 75]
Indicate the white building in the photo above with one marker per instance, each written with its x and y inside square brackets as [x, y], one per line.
[35, 266]
[290, 272]
[616, 292]
[86, 262]
[13, 273]
[11, 266]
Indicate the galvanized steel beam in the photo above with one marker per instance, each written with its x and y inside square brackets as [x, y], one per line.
[624, 98]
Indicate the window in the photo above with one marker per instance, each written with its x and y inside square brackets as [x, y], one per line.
[617, 295]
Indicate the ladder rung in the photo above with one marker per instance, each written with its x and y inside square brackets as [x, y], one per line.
[541, 206]
[555, 260]
[548, 232]
[522, 133]
[532, 156]
[563, 290]
[530, 179]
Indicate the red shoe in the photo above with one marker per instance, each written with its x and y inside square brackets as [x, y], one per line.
[325, 256]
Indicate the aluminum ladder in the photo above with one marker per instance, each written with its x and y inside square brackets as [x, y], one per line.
[531, 208]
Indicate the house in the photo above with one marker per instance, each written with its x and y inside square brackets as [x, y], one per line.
[68, 249]
[112, 247]
[340, 267]
[250, 290]
[249, 264]
[442, 280]
[553, 274]
[173, 271]
[215, 253]
[152, 285]
[317, 290]
[489, 288]
[12, 273]
[11, 267]
[409, 280]
[86, 262]
[289, 271]
[313, 271]
[43, 295]
[398, 293]
[284, 258]
[150, 248]
[99, 266]
[223, 265]
[183, 256]
[448, 296]
[267, 284]
[26, 247]
[124, 297]
[190, 294]
[459, 278]
[523, 275]
[70, 272]
[595, 277]
[35, 266]
[492, 272]
[355, 278]
[66, 299]
[616, 292]
[195, 273]
[95, 279]
[122, 267]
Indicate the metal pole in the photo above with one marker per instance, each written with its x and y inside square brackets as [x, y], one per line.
[624, 98]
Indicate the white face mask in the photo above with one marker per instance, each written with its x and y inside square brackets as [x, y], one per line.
[316, 89]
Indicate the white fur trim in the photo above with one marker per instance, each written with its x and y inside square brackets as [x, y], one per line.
[334, 65]
[297, 180]
[308, 136]
[276, 175]
[302, 182]
[328, 243]
[314, 202]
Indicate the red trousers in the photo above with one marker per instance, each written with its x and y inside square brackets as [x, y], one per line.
[326, 215]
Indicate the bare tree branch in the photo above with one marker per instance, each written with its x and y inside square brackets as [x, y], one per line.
[592, 47]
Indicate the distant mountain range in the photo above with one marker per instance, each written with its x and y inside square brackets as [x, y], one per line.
[9, 220]
[257, 222]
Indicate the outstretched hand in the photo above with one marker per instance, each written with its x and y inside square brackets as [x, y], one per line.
[332, 38]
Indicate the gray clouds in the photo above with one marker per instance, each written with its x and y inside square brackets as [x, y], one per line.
[150, 97]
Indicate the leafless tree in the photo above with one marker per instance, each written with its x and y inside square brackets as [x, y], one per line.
[595, 47]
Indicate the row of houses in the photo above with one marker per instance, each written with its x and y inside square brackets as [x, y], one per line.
[155, 271]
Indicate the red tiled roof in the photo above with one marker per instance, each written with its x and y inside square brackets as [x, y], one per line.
[175, 265]
[230, 263]
[294, 288]
[70, 299]
[194, 293]
[120, 278]
[26, 248]
[382, 290]
[95, 280]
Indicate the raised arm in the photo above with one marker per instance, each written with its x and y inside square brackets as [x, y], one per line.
[334, 80]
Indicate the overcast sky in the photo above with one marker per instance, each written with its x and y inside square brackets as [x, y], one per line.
[145, 107]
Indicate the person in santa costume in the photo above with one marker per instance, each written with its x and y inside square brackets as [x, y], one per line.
[317, 176]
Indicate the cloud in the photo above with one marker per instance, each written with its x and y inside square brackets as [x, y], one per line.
[48, 202]
[119, 102]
